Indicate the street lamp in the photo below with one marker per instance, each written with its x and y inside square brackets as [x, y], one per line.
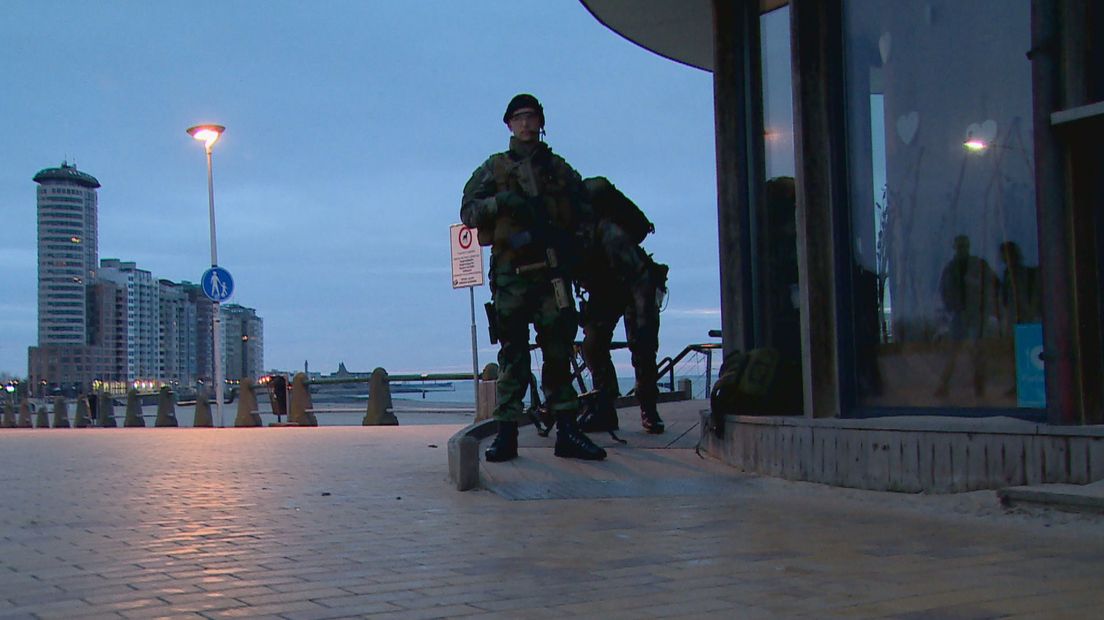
[209, 134]
[975, 145]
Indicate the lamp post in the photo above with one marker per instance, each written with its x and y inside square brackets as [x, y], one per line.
[209, 134]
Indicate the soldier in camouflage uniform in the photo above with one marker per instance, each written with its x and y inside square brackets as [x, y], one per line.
[527, 204]
[621, 279]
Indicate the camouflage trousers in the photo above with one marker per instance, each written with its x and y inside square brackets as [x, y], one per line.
[622, 281]
[521, 300]
[604, 307]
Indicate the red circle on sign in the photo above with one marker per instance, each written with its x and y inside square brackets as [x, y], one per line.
[465, 238]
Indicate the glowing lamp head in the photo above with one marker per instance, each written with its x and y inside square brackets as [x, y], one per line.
[207, 134]
[975, 145]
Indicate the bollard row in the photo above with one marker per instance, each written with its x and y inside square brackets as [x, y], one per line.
[104, 416]
[99, 409]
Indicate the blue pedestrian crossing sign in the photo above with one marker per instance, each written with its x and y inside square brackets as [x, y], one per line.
[217, 284]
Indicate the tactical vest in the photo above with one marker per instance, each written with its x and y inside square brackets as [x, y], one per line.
[550, 180]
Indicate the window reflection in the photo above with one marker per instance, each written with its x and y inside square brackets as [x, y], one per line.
[945, 280]
[774, 32]
[777, 265]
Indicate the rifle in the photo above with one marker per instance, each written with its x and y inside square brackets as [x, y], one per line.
[539, 232]
[552, 264]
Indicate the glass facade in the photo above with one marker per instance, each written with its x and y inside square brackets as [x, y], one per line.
[66, 214]
[777, 267]
[945, 283]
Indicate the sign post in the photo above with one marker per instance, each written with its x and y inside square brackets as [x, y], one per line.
[218, 286]
[467, 272]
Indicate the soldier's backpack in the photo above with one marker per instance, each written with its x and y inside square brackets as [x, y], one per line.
[610, 203]
[758, 382]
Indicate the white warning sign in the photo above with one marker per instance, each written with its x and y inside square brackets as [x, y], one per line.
[467, 257]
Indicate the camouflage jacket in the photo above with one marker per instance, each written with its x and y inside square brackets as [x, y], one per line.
[540, 174]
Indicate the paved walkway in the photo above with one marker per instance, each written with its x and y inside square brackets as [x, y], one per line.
[354, 521]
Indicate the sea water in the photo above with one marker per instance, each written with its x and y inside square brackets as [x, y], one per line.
[436, 406]
[464, 391]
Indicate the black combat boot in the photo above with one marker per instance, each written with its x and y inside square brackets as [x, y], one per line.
[650, 420]
[571, 443]
[504, 447]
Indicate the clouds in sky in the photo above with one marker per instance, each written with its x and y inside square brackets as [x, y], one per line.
[351, 129]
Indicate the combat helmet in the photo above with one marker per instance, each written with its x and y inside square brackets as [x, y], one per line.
[524, 100]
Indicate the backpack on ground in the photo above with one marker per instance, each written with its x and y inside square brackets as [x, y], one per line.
[758, 382]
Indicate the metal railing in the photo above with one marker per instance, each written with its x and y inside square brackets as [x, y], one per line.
[668, 365]
[695, 361]
[687, 364]
[429, 380]
[440, 376]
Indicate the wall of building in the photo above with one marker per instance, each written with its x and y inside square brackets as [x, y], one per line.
[109, 324]
[66, 259]
[243, 343]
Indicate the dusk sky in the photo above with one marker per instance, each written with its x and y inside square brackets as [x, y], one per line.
[351, 129]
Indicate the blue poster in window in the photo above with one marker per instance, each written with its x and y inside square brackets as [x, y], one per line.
[1030, 387]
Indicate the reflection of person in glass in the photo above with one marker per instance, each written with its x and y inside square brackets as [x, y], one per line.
[968, 287]
[867, 329]
[1019, 287]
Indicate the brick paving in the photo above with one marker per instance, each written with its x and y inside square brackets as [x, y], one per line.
[340, 522]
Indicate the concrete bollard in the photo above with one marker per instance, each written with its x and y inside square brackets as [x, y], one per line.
[488, 392]
[25, 414]
[8, 419]
[685, 386]
[80, 418]
[133, 418]
[61, 413]
[105, 411]
[300, 411]
[380, 409]
[203, 417]
[166, 409]
[247, 406]
[42, 417]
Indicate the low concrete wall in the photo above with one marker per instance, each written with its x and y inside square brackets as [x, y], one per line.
[911, 454]
[463, 453]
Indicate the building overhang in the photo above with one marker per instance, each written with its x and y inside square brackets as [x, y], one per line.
[680, 30]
